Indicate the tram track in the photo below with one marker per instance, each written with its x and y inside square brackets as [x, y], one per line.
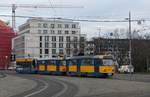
[47, 87]
[64, 86]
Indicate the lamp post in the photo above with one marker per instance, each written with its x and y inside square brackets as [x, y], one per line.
[130, 45]
[147, 64]
[99, 39]
[130, 39]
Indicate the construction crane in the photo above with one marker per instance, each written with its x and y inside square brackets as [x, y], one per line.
[15, 6]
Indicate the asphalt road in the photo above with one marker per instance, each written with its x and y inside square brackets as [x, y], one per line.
[47, 87]
[121, 85]
[2, 75]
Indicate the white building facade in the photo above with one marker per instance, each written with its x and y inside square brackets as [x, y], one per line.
[41, 38]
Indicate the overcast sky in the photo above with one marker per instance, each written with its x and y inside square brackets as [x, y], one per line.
[93, 9]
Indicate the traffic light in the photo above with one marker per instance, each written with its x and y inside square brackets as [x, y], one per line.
[13, 57]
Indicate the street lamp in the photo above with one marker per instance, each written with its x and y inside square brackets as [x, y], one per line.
[130, 39]
[99, 39]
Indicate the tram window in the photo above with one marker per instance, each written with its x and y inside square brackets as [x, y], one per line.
[73, 62]
[23, 64]
[98, 61]
[62, 63]
[52, 62]
[27, 64]
[19, 64]
[43, 62]
[107, 62]
[87, 62]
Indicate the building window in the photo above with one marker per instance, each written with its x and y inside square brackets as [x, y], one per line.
[75, 39]
[46, 45]
[67, 45]
[73, 32]
[40, 51]
[60, 45]
[46, 38]
[68, 38]
[39, 25]
[61, 51]
[46, 51]
[66, 32]
[45, 25]
[52, 32]
[53, 38]
[61, 38]
[40, 56]
[53, 51]
[40, 38]
[40, 44]
[53, 45]
[39, 31]
[45, 31]
[59, 26]
[82, 39]
[68, 51]
[66, 26]
[52, 25]
[73, 25]
[75, 45]
[59, 32]
[46, 56]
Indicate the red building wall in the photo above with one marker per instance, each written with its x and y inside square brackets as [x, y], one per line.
[6, 35]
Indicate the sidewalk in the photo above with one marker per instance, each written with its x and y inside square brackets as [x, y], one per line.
[11, 85]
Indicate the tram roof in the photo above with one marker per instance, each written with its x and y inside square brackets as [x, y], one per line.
[24, 59]
[93, 56]
[49, 59]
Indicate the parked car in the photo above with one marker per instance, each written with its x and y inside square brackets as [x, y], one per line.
[126, 69]
[11, 68]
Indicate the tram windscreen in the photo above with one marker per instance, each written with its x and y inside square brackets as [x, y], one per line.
[24, 64]
[107, 62]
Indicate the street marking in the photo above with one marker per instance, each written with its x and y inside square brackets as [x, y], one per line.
[63, 91]
[39, 91]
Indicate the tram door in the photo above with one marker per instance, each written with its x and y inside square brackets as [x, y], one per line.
[97, 62]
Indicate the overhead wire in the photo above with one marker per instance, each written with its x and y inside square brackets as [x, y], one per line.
[80, 20]
[51, 4]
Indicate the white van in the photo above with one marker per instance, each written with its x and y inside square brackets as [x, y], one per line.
[126, 69]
